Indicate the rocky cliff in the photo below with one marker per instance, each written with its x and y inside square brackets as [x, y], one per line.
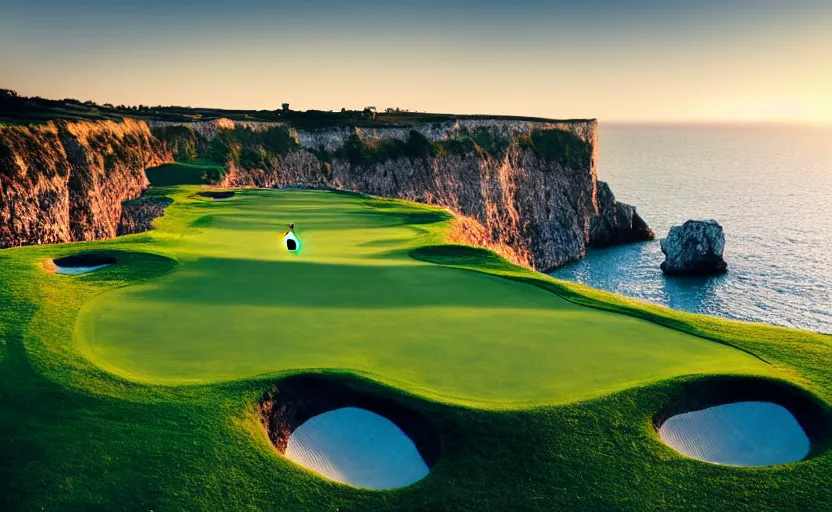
[526, 189]
[66, 181]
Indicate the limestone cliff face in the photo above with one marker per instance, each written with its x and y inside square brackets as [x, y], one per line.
[66, 181]
[524, 196]
[525, 189]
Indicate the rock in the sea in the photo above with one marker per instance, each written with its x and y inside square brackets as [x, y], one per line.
[694, 249]
[616, 223]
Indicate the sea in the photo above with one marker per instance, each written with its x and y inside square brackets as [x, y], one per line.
[769, 186]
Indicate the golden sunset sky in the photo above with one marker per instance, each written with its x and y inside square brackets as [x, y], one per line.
[619, 61]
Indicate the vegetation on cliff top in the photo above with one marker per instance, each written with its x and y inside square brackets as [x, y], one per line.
[370, 152]
[251, 148]
[559, 146]
[550, 144]
[16, 109]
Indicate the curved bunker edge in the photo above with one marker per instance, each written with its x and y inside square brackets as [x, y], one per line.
[294, 400]
[82, 263]
[217, 195]
[811, 413]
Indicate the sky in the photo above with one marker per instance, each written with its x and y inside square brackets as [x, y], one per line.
[639, 61]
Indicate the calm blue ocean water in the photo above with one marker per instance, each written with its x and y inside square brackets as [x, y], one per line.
[770, 188]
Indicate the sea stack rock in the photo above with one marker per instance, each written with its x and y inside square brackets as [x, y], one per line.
[616, 222]
[694, 249]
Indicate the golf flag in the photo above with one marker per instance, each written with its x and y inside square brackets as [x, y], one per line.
[291, 242]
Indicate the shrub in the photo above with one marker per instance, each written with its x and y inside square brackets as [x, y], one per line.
[525, 141]
[438, 149]
[358, 152]
[562, 146]
[418, 146]
[225, 148]
[182, 141]
[494, 146]
[459, 147]
[213, 175]
[277, 140]
[557, 145]
[352, 150]
[257, 158]
[321, 154]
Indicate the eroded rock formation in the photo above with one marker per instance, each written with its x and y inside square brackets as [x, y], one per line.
[66, 181]
[138, 215]
[616, 223]
[694, 248]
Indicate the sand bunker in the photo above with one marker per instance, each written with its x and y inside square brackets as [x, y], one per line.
[82, 264]
[357, 447]
[218, 195]
[350, 430]
[738, 434]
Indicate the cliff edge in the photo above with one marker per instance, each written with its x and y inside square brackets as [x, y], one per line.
[66, 181]
[527, 189]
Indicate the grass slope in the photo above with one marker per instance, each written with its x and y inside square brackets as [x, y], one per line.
[503, 361]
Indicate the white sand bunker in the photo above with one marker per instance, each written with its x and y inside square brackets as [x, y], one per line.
[738, 434]
[81, 263]
[357, 447]
[72, 271]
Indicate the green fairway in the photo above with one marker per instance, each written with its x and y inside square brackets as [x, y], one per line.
[241, 305]
[139, 386]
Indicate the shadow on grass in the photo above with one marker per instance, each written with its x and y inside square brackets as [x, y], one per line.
[316, 285]
[178, 174]
[485, 261]
[132, 266]
[342, 219]
[460, 255]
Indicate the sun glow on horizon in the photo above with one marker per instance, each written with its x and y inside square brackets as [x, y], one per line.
[637, 62]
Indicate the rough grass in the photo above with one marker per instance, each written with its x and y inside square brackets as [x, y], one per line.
[74, 436]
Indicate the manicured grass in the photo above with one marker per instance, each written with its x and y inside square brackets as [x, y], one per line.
[239, 305]
[135, 387]
[180, 174]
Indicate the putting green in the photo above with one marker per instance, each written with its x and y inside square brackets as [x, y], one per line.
[241, 305]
